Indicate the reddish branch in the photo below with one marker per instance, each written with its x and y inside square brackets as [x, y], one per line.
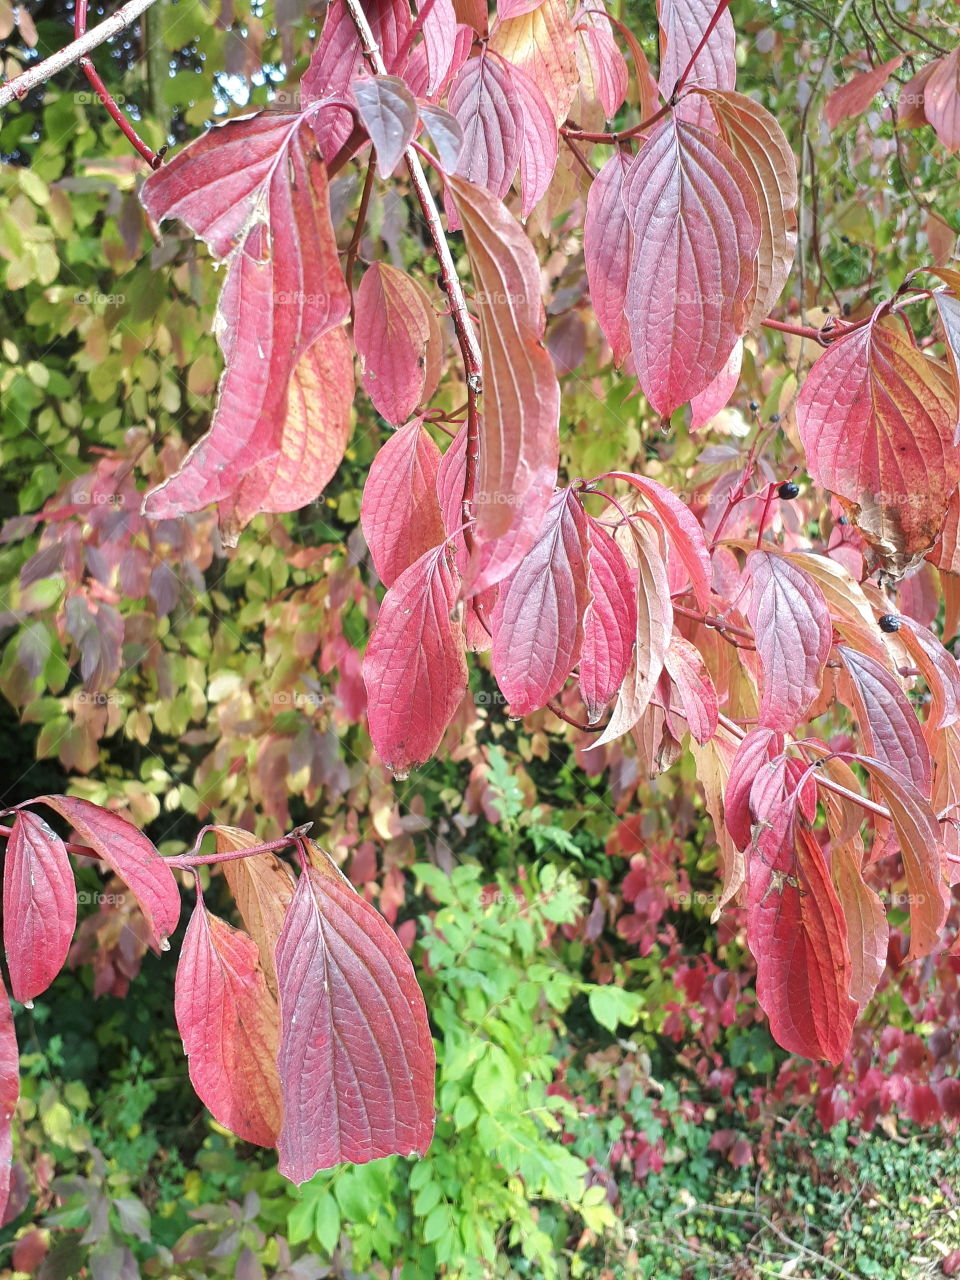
[17, 89]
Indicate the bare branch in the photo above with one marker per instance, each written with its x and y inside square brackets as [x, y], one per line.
[125, 16]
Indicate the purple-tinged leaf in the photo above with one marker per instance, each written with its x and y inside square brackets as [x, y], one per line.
[793, 633]
[483, 100]
[356, 1058]
[539, 140]
[887, 721]
[607, 252]
[682, 24]
[682, 336]
[694, 686]
[538, 622]
[609, 623]
[388, 112]
[445, 133]
[758, 748]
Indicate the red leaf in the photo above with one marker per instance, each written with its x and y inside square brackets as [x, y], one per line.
[539, 140]
[609, 623]
[854, 97]
[229, 1025]
[716, 395]
[538, 622]
[313, 438]
[695, 688]
[793, 632]
[39, 906]
[388, 112]
[607, 250]
[400, 512]
[696, 224]
[877, 420]
[519, 432]
[758, 748]
[356, 1058]
[941, 99]
[439, 40]
[128, 853]
[866, 921]
[338, 58]
[887, 721]
[9, 1093]
[682, 528]
[641, 547]
[798, 937]
[398, 341]
[940, 671]
[604, 75]
[451, 477]
[921, 848]
[483, 101]
[256, 190]
[682, 24]
[414, 669]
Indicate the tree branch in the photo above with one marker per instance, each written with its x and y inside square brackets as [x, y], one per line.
[16, 89]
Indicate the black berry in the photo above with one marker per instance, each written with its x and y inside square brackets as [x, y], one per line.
[788, 490]
[774, 417]
[889, 623]
[754, 406]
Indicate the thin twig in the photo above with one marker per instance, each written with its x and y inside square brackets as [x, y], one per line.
[18, 88]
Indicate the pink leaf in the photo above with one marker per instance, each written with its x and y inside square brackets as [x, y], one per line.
[793, 633]
[921, 848]
[940, 671]
[877, 418]
[854, 97]
[130, 855]
[338, 58]
[9, 1094]
[609, 623]
[539, 140]
[519, 431]
[695, 688]
[312, 440]
[603, 67]
[398, 341]
[868, 933]
[229, 1025]
[683, 530]
[39, 906]
[400, 513]
[798, 936]
[256, 190]
[483, 101]
[941, 99]
[388, 112]
[607, 251]
[356, 1058]
[446, 134]
[758, 748]
[414, 669]
[682, 24]
[716, 395]
[538, 622]
[887, 721]
[696, 223]
[439, 40]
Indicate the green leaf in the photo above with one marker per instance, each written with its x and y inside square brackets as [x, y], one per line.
[494, 1081]
[612, 1005]
[328, 1222]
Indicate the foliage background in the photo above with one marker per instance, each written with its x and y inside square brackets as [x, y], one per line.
[610, 1100]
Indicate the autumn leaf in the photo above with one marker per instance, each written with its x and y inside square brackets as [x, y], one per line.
[400, 511]
[537, 624]
[609, 622]
[607, 251]
[414, 669]
[682, 25]
[692, 275]
[229, 1024]
[793, 633]
[9, 1094]
[39, 906]
[877, 421]
[356, 1058]
[398, 341]
[854, 97]
[517, 468]
[130, 855]
[889, 725]
[256, 191]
